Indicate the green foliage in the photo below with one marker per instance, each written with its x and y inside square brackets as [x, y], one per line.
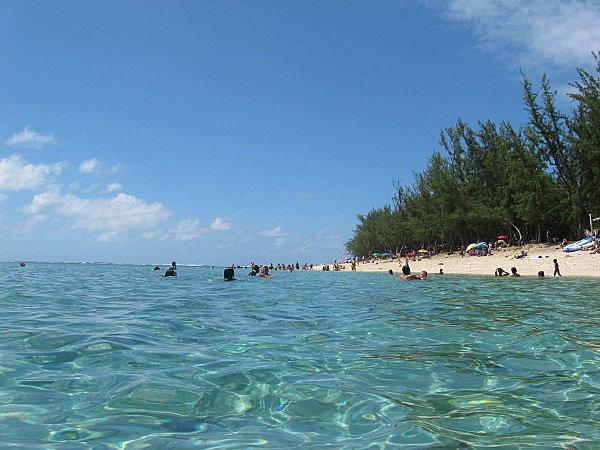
[499, 180]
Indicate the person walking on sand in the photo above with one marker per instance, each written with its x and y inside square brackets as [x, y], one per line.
[556, 269]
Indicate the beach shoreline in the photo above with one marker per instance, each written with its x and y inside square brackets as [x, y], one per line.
[539, 258]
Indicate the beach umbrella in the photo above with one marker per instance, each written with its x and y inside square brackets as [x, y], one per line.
[470, 246]
[423, 251]
[411, 254]
[503, 237]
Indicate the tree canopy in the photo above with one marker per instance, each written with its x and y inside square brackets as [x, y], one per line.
[495, 178]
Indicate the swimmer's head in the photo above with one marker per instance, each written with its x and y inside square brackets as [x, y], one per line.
[406, 270]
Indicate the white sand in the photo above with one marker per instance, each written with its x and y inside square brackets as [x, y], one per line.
[539, 257]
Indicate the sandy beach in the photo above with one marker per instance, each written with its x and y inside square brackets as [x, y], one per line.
[539, 257]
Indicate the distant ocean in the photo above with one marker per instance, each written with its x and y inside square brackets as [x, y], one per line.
[98, 355]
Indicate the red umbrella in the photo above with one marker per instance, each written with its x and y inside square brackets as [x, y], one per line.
[502, 237]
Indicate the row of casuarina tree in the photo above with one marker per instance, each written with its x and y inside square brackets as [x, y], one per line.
[497, 179]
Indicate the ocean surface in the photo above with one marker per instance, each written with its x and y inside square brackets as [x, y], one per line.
[113, 356]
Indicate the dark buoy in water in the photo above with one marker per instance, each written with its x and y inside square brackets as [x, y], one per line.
[156, 268]
[229, 274]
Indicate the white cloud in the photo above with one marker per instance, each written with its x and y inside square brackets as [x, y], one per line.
[279, 242]
[535, 32]
[90, 166]
[220, 225]
[16, 174]
[113, 187]
[29, 138]
[275, 232]
[96, 167]
[109, 237]
[324, 235]
[157, 235]
[188, 229]
[120, 213]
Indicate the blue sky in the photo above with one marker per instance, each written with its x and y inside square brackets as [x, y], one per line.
[224, 132]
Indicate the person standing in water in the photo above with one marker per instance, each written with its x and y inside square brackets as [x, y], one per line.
[172, 271]
[229, 274]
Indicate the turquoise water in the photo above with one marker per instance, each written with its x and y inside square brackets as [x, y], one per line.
[105, 355]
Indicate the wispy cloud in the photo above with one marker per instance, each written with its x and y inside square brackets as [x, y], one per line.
[16, 174]
[562, 33]
[113, 187]
[110, 237]
[30, 138]
[326, 236]
[188, 229]
[279, 242]
[95, 166]
[275, 232]
[220, 224]
[90, 166]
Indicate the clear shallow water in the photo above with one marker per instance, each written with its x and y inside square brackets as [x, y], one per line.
[102, 355]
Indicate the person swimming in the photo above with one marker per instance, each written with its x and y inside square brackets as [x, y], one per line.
[172, 271]
[513, 272]
[406, 275]
[264, 272]
[500, 272]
